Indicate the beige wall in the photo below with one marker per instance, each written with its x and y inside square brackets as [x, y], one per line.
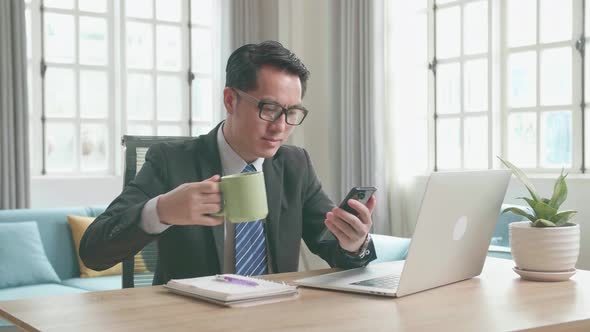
[49, 192]
[308, 30]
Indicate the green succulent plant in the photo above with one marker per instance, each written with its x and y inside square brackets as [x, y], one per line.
[545, 211]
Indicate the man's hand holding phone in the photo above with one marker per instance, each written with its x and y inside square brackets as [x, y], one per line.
[350, 230]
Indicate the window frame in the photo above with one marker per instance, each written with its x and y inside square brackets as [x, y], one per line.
[498, 53]
[116, 68]
[77, 120]
[154, 72]
[538, 109]
[198, 126]
[461, 59]
[35, 84]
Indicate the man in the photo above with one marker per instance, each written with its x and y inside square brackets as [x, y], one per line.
[173, 196]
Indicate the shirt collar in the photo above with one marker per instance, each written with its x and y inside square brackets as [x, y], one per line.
[231, 162]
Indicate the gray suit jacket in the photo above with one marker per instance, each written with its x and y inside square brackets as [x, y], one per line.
[296, 202]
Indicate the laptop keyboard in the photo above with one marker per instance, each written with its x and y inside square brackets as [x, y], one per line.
[388, 282]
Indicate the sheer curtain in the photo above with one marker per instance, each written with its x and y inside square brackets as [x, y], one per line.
[14, 137]
[407, 117]
[245, 23]
[361, 110]
[253, 21]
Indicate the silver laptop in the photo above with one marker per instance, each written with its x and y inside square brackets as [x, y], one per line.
[453, 232]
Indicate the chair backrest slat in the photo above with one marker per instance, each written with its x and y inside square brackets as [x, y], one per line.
[139, 270]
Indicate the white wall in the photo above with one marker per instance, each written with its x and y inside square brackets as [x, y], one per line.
[50, 192]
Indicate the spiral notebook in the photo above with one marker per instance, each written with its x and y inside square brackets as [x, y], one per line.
[233, 290]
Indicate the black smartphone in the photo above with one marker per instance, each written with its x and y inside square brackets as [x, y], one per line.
[361, 194]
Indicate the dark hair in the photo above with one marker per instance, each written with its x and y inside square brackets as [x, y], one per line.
[243, 64]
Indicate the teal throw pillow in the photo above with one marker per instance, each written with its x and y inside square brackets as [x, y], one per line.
[22, 258]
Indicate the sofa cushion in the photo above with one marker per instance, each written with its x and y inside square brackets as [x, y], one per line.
[78, 225]
[55, 234]
[501, 237]
[390, 248]
[96, 283]
[22, 255]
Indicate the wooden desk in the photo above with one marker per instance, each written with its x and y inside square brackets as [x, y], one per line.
[498, 300]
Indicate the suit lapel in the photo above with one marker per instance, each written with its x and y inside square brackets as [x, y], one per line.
[273, 178]
[210, 164]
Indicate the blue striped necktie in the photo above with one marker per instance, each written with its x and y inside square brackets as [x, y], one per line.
[250, 244]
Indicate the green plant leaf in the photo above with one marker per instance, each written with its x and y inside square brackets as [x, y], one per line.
[523, 178]
[543, 223]
[544, 210]
[520, 212]
[530, 201]
[563, 217]
[559, 191]
[541, 210]
[567, 224]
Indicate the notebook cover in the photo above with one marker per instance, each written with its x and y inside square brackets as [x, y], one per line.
[223, 291]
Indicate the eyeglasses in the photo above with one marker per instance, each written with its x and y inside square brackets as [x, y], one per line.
[271, 111]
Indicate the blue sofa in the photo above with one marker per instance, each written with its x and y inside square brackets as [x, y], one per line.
[500, 245]
[59, 247]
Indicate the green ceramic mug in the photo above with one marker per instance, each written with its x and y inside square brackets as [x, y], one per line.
[244, 197]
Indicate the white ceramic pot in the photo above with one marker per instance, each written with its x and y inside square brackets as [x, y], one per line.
[545, 249]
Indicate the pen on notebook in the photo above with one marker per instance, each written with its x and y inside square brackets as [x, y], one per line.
[234, 280]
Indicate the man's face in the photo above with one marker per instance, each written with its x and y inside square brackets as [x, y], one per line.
[249, 135]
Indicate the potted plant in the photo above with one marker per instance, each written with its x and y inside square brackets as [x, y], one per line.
[546, 246]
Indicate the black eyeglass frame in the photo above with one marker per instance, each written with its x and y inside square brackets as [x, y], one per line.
[284, 110]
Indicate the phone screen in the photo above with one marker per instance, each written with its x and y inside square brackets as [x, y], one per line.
[361, 194]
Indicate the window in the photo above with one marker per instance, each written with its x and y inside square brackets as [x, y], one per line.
[111, 67]
[462, 85]
[540, 102]
[77, 81]
[507, 82]
[156, 68]
[586, 88]
[203, 59]
[32, 22]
